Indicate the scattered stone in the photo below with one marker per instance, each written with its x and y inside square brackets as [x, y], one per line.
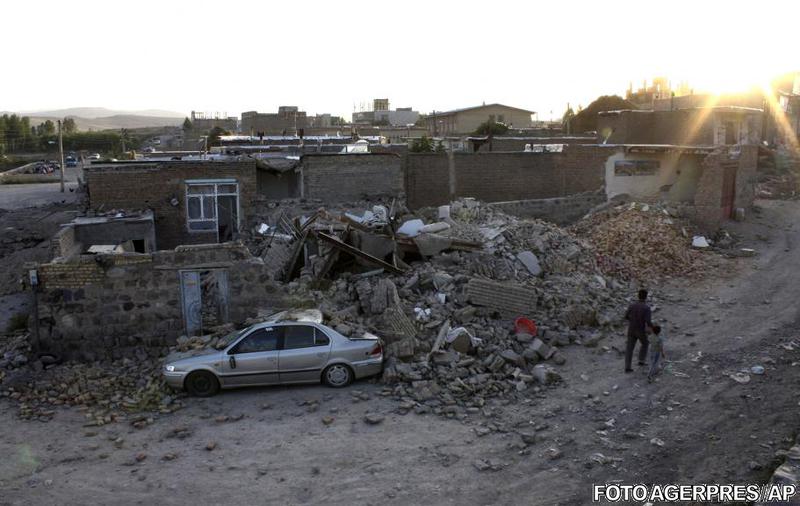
[373, 418]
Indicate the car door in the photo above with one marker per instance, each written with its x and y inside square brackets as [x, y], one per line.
[304, 354]
[254, 359]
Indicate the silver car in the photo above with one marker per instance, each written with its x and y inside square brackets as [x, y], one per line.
[272, 353]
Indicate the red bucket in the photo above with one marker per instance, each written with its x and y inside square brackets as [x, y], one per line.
[525, 326]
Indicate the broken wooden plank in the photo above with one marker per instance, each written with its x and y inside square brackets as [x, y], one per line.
[351, 250]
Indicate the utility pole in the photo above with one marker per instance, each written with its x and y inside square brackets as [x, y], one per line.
[61, 153]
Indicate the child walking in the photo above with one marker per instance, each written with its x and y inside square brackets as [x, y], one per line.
[656, 351]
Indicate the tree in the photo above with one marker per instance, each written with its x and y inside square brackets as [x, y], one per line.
[566, 120]
[492, 127]
[586, 119]
[422, 145]
[69, 126]
[46, 128]
[187, 124]
[214, 134]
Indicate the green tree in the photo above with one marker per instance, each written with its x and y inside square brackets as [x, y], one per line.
[492, 127]
[69, 125]
[422, 145]
[566, 120]
[214, 134]
[187, 124]
[586, 119]
[46, 128]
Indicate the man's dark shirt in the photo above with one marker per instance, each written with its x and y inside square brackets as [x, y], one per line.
[638, 317]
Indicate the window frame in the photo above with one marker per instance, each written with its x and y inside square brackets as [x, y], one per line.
[213, 196]
[314, 344]
[278, 341]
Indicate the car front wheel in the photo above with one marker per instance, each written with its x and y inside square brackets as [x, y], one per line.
[337, 375]
[202, 384]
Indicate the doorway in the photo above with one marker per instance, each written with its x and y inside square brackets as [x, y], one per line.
[204, 299]
[728, 189]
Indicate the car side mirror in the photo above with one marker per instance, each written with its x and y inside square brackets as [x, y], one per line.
[232, 361]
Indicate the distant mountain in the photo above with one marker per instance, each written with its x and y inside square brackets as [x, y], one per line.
[101, 112]
[129, 121]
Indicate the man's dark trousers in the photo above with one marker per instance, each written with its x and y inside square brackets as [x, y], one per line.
[642, 349]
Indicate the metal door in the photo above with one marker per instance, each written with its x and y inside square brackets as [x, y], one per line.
[304, 354]
[244, 367]
[191, 301]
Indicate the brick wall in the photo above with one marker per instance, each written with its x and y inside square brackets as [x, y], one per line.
[708, 211]
[107, 305]
[349, 177]
[154, 185]
[498, 176]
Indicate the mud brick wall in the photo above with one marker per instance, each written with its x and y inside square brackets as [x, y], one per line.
[349, 177]
[154, 185]
[559, 210]
[504, 176]
[708, 211]
[113, 305]
[64, 243]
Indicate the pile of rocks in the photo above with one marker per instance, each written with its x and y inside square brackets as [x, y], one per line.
[525, 268]
[641, 241]
[105, 391]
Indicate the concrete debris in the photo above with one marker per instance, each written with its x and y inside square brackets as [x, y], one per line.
[530, 262]
[502, 297]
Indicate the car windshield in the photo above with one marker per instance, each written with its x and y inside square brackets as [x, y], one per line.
[227, 340]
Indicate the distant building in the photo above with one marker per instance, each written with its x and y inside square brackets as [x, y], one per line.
[659, 89]
[287, 120]
[468, 119]
[203, 122]
[382, 115]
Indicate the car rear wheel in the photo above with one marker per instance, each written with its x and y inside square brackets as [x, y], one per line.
[202, 384]
[337, 375]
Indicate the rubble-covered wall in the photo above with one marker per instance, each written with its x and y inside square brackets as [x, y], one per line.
[155, 185]
[349, 177]
[558, 210]
[503, 176]
[94, 306]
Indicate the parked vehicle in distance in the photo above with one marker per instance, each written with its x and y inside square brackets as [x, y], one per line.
[71, 161]
[272, 353]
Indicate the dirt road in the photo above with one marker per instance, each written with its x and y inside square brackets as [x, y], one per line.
[694, 425]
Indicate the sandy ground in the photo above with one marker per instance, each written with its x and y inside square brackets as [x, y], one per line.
[694, 425]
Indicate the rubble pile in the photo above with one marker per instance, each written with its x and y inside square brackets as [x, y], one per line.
[106, 391]
[444, 297]
[640, 241]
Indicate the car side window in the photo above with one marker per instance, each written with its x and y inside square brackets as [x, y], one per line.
[320, 338]
[258, 340]
[298, 336]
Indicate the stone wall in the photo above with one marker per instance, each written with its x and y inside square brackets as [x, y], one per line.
[504, 176]
[155, 185]
[106, 305]
[349, 177]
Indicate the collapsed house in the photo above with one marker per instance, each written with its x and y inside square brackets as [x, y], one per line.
[178, 247]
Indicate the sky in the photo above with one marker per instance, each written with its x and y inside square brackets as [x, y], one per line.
[332, 56]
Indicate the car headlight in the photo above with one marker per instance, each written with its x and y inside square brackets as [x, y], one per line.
[170, 368]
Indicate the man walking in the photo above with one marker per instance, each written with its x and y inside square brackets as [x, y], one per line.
[638, 316]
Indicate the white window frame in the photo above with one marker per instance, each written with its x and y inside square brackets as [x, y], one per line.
[216, 183]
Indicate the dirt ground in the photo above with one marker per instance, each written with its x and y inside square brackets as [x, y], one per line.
[693, 425]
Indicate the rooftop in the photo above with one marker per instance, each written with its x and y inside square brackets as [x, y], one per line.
[454, 111]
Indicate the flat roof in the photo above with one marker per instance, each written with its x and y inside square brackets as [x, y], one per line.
[454, 111]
